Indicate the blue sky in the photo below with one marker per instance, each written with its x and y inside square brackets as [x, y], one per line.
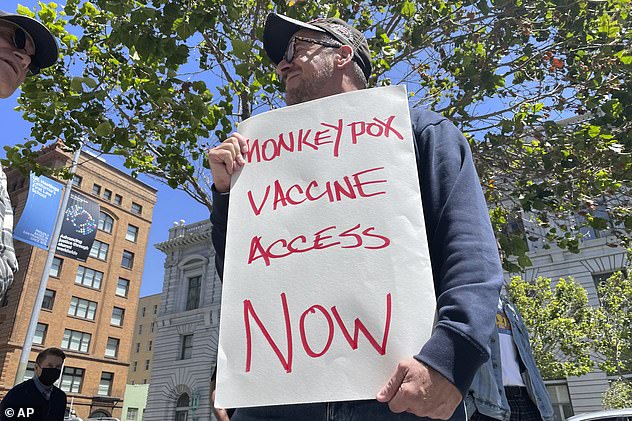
[170, 206]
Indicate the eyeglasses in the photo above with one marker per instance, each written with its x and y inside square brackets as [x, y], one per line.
[291, 47]
[18, 39]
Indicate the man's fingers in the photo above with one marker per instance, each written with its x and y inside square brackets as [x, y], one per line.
[390, 389]
[239, 147]
[399, 402]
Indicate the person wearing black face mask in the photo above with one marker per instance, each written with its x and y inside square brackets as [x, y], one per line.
[38, 399]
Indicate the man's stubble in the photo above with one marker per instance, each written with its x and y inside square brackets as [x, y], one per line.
[312, 88]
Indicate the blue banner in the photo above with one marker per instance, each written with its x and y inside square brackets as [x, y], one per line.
[79, 227]
[37, 221]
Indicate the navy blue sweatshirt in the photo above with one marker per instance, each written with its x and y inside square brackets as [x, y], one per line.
[465, 262]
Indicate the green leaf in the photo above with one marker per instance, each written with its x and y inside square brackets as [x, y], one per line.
[103, 129]
[76, 84]
[25, 11]
[408, 9]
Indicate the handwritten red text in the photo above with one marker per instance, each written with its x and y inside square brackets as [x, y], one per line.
[313, 139]
[287, 358]
[328, 237]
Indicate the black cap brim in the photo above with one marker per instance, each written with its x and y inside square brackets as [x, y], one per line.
[46, 51]
[277, 33]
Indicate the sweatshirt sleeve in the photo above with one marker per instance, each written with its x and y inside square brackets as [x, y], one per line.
[219, 219]
[465, 262]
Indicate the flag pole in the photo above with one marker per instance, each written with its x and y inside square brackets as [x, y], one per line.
[37, 305]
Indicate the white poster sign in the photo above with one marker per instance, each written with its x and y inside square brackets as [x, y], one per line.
[327, 281]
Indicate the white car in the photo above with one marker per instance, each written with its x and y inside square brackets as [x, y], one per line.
[609, 415]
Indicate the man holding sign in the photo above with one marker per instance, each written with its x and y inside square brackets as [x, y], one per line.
[324, 58]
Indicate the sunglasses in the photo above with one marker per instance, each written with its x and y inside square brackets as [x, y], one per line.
[291, 47]
[18, 38]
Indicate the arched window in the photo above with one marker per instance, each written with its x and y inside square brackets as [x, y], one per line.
[106, 222]
[99, 414]
[182, 407]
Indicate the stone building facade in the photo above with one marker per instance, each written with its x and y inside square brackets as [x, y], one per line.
[185, 344]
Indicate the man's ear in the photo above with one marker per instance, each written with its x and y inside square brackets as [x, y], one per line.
[344, 57]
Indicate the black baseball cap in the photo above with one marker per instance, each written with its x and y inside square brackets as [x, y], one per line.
[46, 51]
[279, 29]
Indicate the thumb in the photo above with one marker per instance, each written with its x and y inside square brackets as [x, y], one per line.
[390, 389]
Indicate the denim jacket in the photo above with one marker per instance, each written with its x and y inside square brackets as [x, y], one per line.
[487, 394]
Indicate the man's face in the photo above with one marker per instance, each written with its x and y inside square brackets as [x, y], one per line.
[51, 361]
[14, 61]
[310, 73]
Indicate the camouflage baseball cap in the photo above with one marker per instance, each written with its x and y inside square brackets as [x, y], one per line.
[279, 29]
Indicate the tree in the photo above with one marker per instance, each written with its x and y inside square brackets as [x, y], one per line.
[618, 395]
[614, 324]
[561, 324]
[159, 82]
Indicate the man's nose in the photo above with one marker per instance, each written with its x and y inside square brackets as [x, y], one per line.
[282, 68]
[23, 58]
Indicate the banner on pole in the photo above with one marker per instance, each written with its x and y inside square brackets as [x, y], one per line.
[327, 275]
[78, 229]
[37, 221]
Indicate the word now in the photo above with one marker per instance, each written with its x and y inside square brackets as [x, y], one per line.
[287, 358]
[350, 187]
[311, 139]
[347, 239]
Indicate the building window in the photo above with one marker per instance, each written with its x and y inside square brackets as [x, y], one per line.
[140, 329]
[149, 345]
[55, 269]
[107, 194]
[96, 189]
[182, 407]
[155, 308]
[151, 327]
[561, 400]
[85, 309]
[99, 250]
[77, 180]
[136, 208]
[89, 277]
[193, 293]
[106, 222]
[118, 199]
[132, 233]
[600, 278]
[132, 414]
[117, 316]
[75, 340]
[30, 371]
[134, 366]
[146, 364]
[40, 334]
[127, 261]
[49, 299]
[143, 312]
[111, 349]
[71, 379]
[186, 347]
[137, 346]
[105, 385]
[122, 287]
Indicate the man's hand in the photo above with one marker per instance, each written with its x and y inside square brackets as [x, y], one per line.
[225, 159]
[420, 390]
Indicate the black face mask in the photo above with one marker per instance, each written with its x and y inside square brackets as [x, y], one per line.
[49, 376]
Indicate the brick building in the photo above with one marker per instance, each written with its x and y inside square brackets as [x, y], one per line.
[89, 307]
